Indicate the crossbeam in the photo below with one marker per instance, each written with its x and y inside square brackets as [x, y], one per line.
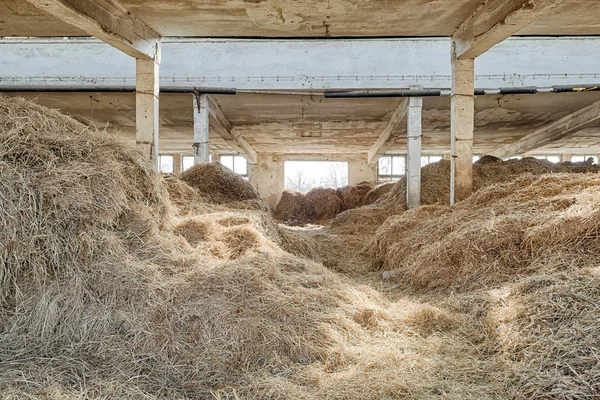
[108, 21]
[388, 135]
[494, 21]
[557, 130]
[226, 130]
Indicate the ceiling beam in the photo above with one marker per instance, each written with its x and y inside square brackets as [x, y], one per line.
[557, 130]
[387, 136]
[231, 136]
[494, 21]
[108, 21]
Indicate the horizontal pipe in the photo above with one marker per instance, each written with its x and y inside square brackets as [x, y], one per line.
[111, 89]
[445, 92]
[326, 94]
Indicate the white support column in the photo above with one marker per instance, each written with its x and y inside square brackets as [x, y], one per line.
[462, 126]
[146, 105]
[201, 128]
[413, 152]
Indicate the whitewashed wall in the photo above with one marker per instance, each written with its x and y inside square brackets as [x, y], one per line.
[301, 64]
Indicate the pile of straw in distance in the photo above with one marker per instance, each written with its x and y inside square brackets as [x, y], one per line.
[321, 205]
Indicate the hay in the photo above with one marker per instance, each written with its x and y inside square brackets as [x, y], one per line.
[291, 206]
[322, 204]
[353, 196]
[377, 192]
[435, 178]
[111, 290]
[493, 236]
[219, 183]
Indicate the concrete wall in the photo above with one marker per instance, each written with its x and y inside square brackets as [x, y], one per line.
[308, 64]
[360, 171]
[267, 175]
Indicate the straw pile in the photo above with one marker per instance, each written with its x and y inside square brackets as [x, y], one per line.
[219, 183]
[378, 191]
[354, 196]
[113, 287]
[319, 205]
[435, 178]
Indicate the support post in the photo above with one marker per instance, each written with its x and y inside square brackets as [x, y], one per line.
[177, 163]
[146, 105]
[462, 126]
[413, 152]
[201, 128]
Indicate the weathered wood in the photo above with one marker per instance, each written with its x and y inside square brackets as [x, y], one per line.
[494, 21]
[574, 122]
[108, 21]
[389, 132]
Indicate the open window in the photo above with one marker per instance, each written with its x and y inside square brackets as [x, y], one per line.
[303, 176]
[237, 164]
[429, 160]
[391, 168]
[593, 159]
[165, 163]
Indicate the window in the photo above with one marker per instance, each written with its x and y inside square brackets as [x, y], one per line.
[237, 164]
[165, 163]
[303, 176]
[187, 162]
[584, 158]
[429, 160]
[476, 158]
[552, 159]
[391, 168]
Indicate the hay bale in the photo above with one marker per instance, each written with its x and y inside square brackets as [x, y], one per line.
[378, 191]
[353, 196]
[219, 184]
[322, 204]
[291, 206]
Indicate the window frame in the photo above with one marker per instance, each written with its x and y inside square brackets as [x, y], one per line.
[233, 163]
[391, 177]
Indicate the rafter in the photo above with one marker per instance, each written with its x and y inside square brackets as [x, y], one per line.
[388, 135]
[494, 21]
[557, 130]
[108, 21]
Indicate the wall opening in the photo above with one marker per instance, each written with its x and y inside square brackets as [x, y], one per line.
[303, 176]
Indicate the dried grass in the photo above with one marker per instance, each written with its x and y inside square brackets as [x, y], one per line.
[377, 192]
[111, 290]
[354, 196]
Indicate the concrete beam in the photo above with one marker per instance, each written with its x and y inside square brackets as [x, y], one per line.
[231, 136]
[201, 128]
[557, 130]
[494, 21]
[413, 147]
[107, 20]
[146, 106]
[462, 114]
[387, 136]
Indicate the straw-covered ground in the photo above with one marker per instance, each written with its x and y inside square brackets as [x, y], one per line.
[116, 282]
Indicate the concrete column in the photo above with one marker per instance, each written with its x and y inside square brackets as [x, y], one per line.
[413, 152]
[462, 126]
[268, 177]
[146, 105]
[359, 170]
[201, 128]
[177, 163]
[566, 157]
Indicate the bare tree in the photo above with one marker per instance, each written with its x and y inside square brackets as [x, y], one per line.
[337, 176]
[299, 182]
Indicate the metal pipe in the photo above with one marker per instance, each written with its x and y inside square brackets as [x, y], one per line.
[112, 89]
[445, 92]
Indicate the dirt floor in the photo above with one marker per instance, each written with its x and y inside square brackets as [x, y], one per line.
[117, 282]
